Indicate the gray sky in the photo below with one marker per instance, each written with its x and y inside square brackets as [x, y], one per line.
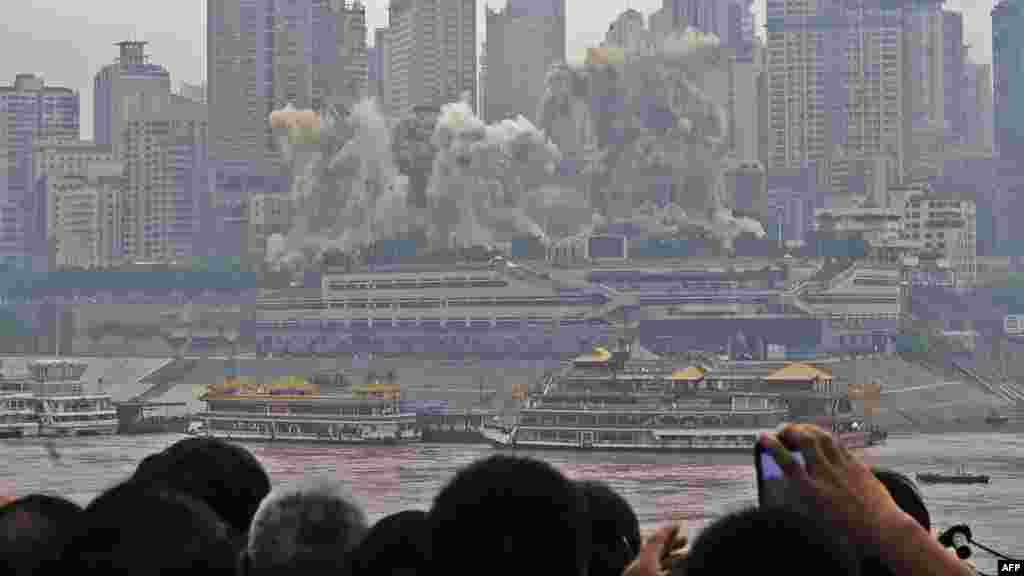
[67, 41]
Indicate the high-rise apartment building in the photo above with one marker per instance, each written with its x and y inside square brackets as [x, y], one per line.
[924, 120]
[806, 62]
[983, 128]
[84, 216]
[132, 73]
[835, 81]
[58, 163]
[521, 47]
[264, 54]
[953, 75]
[433, 53]
[629, 32]
[34, 112]
[164, 148]
[1008, 74]
[481, 83]
[553, 11]
[732, 21]
[382, 42]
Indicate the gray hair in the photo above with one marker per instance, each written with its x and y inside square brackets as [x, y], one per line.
[313, 518]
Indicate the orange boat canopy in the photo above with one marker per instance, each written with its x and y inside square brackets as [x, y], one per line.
[691, 374]
[798, 372]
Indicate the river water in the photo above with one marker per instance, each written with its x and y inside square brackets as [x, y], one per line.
[661, 487]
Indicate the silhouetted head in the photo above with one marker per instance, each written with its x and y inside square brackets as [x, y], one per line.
[906, 495]
[614, 529]
[753, 539]
[225, 476]
[34, 531]
[509, 515]
[136, 529]
[397, 545]
[310, 529]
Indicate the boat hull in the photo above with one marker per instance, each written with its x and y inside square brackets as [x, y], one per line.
[934, 479]
[306, 439]
[507, 441]
[19, 430]
[78, 429]
[648, 448]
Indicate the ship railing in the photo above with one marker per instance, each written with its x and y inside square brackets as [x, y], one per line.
[562, 406]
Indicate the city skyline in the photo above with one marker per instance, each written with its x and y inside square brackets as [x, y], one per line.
[177, 39]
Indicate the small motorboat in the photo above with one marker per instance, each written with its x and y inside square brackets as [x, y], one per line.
[996, 419]
[961, 477]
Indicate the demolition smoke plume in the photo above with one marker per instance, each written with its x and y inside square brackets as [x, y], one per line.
[620, 137]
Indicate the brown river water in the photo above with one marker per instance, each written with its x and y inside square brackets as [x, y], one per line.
[661, 487]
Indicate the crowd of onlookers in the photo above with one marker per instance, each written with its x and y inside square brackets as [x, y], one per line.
[206, 506]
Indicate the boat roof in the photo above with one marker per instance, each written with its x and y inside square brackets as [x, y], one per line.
[597, 355]
[297, 398]
[798, 372]
[690, 374]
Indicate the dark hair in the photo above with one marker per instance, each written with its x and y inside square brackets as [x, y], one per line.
[501, 514]
[747, 541]
[225, 476]
[34, 530]
[906, 495]
[614, 529]
[138, 529]
[314, 527]
[396, 545]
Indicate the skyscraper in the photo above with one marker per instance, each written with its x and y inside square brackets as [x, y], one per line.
[730, 20]
[924, 81]
[264, 54]
[164, 147]
[1008, 72]
[35, 112]
[553, 11]
[132, 73]
[433, 53]
[522, 44]
[953, 74]
[835, 81]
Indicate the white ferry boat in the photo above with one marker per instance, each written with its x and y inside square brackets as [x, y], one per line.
[294, 410]
[61, 403]
[606, 402]
[18, 416]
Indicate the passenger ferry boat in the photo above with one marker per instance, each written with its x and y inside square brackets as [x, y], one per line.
[607, 402]
[295, 410]
[63, 406]
[18, 416]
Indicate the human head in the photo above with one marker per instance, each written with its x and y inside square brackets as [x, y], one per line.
[311, 528]
[34, 531]
[137, 529]
[751, 539]
[396, 545]
[495, 510]
[614, 529]
[906, 495]
[225, 476]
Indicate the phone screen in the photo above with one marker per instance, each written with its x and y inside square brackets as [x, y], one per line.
[774, 490]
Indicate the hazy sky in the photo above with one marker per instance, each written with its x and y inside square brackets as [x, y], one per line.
[67, 41]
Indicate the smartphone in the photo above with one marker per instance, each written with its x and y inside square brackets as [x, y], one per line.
[774, 490]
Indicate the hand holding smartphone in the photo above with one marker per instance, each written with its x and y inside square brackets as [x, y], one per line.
[774, 490]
